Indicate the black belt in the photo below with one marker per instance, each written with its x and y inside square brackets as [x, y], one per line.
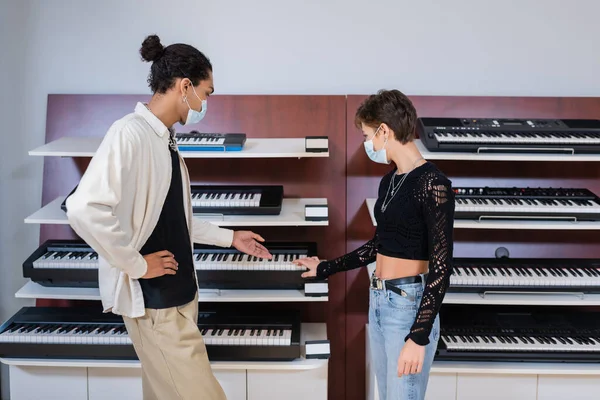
[377, 283]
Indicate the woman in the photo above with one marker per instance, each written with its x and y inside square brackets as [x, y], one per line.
[412, 247]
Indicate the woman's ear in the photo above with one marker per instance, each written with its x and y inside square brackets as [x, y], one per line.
[385, 131]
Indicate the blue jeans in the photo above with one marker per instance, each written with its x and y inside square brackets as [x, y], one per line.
[390, 319]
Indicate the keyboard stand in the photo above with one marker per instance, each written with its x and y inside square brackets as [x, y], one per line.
[558, 150]
[525, 218]
[216, 292]
[483, 295]
[209, 217]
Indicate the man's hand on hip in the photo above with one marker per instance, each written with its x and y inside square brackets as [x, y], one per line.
[159, 264]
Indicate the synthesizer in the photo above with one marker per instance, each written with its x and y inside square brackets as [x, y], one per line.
[479, 203]
[200, 141]
[63, 263]
[88, 333]
[523, 333]
[237, 199]
[231, 199]
[501, 135]
[73, 263]
[227, 268]
[481, 275]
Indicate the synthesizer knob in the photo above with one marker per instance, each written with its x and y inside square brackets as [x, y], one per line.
[502, 252]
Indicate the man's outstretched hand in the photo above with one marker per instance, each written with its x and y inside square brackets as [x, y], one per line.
[247, 242]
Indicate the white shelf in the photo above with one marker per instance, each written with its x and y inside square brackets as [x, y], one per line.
[272, 296]
[308, 331]
[51, 213]
[290, 148]
[434, 155]
[32, 290]
[292, 214]
[505, 225]
[298, 365]
[513, 368]
[254, 148]
[518, 299]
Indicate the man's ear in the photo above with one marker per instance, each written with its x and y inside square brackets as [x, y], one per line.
[183, 85]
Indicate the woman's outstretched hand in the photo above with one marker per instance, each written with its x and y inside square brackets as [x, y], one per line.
[311, 264]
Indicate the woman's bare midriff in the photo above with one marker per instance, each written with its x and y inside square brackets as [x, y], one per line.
[392, 268]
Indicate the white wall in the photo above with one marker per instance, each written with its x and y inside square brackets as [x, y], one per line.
[460, 47]
[19, 175]
[510, 47]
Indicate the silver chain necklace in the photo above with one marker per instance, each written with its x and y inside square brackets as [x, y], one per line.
[395, 188]
[172, 143]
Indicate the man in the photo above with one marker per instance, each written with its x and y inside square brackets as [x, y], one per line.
[133, 207]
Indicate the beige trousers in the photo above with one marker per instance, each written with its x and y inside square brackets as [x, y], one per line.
[173, 355]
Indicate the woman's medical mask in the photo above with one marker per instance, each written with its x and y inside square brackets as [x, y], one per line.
[379, 156]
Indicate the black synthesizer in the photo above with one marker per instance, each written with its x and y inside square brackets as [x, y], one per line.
[82, 333]
[231, 199]
[518, 333]
[73, 263]
[514, 135]
[526, 203]
[531, 275]
[237, 199]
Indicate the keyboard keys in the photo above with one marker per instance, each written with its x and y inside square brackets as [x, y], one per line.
[518, 343]
[490, 137]
[238, 261]
[76, 258]
[199, 141]
[247, 336]
[533, 206]
[520, 276]
[225, 199]
[85, 258]
[56, 333]
[87, 334]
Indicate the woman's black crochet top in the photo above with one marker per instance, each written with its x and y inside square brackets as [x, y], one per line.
[416, 225]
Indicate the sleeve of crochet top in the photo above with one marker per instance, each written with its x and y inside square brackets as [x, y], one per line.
[360, 257]
[438, 205]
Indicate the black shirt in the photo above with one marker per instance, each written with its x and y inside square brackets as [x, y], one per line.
[171, 233]
[417, 224]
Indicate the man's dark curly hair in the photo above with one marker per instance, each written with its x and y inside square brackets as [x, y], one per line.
[394, 109]
[172, 62]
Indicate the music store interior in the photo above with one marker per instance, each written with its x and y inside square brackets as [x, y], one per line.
[296, 124]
